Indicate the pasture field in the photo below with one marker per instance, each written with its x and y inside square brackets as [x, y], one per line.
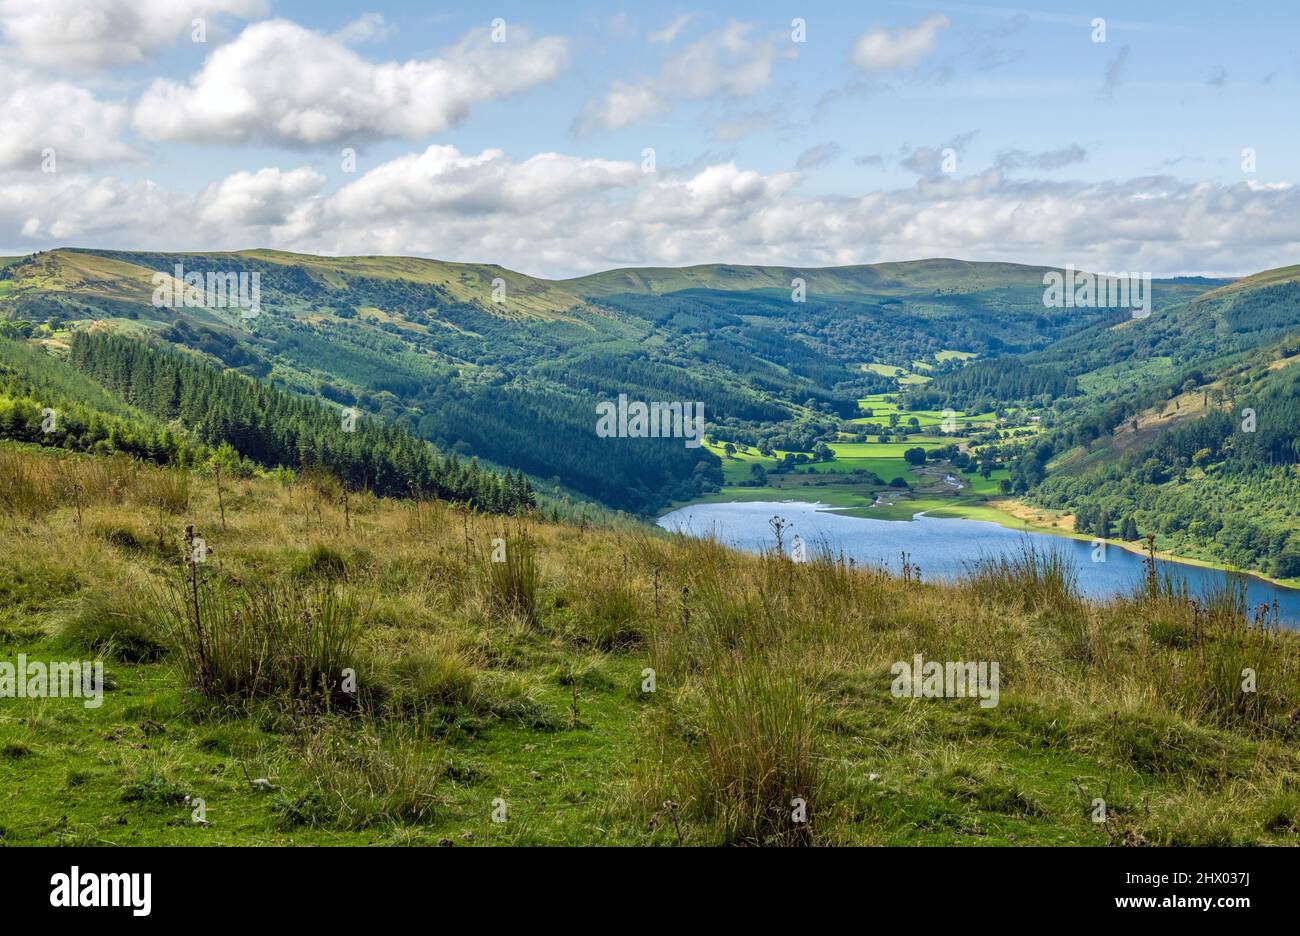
[883, 405]
[885, 459]
[833, 481]
[904, 376]
[949, 355]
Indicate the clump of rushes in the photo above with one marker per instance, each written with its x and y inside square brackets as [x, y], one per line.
[290, 638]
[1030, 578]
[1235, 670]
[352, 777]
[27, 486]
[167, 489]
[760, 779]
[113, 626]
[510, 580]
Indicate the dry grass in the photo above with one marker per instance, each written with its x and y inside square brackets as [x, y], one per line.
[772, 677]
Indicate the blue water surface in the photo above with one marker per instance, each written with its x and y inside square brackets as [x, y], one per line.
[946, 548]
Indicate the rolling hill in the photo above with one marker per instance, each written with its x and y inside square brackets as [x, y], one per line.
[489, 363]
[512, 376]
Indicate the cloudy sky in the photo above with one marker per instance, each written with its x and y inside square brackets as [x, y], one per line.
[559, 138]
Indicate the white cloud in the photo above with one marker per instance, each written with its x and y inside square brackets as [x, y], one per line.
[368, 27]
[733, 126]
[730, 61]
[929, 160]
[669, 32]
[555, 214]
[280, 83]
[818, 155]
[1115, 72]
[882, 50]
[268, 198]
[1046, 160]
[39, 211]
[624, 104]
[442, 179]
[38, 114]
[105, 33]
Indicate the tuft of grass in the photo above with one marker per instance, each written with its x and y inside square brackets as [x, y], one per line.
[13, 750]
[28, 487]
[510, 587]
[289, 639]
[759, 755]
[120, 536]
[978, 786]
[320, 562]
[349, 777]
[1031, 578]
[115, 628]
[167, 489]
[424, 678]
[153, 788]
[609, 619]
[1216, 663]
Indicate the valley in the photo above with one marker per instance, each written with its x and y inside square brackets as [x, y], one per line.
[819, 399]
[412, 464]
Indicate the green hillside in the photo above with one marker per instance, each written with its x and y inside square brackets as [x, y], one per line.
[400, 640]
[364, 672]
[1067, 396]
[881, 278]
[426, 345]
[1150, 435]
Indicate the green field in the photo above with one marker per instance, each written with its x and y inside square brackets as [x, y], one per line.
[885, 459]
[884, 405]
[833, 482]
[917, 372]
[848, 451]
[885, 370]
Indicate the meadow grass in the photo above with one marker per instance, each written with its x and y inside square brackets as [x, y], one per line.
[597, 685]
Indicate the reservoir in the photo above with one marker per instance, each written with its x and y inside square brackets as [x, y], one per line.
[946, 548]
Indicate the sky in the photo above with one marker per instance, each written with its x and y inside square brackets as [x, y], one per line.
[561, 138]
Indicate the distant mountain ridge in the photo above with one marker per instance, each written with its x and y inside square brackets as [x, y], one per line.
[525, 292]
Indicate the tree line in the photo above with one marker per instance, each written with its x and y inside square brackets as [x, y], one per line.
[273, 428]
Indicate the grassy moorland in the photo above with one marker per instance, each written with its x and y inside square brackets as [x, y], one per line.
[522, 684]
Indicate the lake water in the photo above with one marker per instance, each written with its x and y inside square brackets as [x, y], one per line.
[945, 549]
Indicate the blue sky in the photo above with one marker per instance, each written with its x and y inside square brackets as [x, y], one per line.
[894, 131]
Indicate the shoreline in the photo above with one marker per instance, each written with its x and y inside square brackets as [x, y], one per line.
[998, 511]
[1134, 548]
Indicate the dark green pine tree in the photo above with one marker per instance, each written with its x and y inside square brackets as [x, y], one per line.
[267, 426]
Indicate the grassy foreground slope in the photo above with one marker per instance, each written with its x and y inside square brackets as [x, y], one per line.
[519, 688]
